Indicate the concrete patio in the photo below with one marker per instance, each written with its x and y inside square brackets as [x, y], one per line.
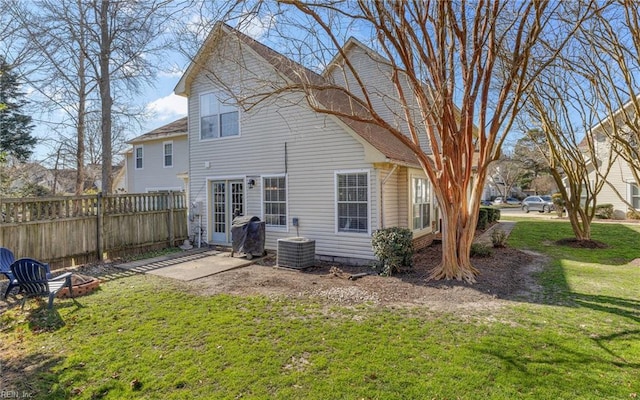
[189, 265]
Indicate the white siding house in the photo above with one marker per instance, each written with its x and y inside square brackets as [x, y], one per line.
[621, 190]
[304, 173]
[158, 160]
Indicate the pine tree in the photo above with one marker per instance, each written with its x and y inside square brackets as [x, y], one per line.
[15, 127]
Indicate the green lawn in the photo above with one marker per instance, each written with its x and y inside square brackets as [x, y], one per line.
[141, 337]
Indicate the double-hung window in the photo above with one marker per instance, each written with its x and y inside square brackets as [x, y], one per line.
[168, 154]
[352, 201]
[275, 201]
[634, 195]
[138, 157]
[217, 120]
[421, 204]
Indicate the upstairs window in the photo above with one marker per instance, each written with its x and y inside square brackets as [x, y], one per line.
[138, 156]
[217, 120]
[168, 154]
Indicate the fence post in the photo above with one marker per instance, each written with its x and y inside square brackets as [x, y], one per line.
[100, 219]
[170, 206]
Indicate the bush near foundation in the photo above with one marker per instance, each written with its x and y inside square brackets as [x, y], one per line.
[604, 211]
[393, 248]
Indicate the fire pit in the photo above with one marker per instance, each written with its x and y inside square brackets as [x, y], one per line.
[81, 285]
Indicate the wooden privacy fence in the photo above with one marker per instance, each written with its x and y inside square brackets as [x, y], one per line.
[74, 230]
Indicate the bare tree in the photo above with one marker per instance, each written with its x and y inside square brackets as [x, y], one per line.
[543, 184]
[527, 152]
[127, 41]
[458, 71]
[56, 35]
[563, 106]
[94, 55]
[504, 174]
[609, 60]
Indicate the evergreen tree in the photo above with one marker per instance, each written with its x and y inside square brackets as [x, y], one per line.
[15, 127]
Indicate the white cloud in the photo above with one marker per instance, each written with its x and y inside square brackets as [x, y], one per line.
[257, 26]
[174, 73]
[168, 107]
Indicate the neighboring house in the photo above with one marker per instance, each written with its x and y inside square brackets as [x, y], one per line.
[158, 160]
[306, 174]
[621, 189]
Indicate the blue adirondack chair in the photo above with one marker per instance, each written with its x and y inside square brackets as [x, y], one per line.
[6, 259]
[33, 278]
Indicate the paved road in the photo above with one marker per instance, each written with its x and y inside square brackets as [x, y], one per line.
[517, 212]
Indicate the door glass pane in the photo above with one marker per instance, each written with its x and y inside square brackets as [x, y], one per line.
[219, 194]
[237, 198]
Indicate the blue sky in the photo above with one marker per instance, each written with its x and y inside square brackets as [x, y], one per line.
[162, 105]
[161, 100]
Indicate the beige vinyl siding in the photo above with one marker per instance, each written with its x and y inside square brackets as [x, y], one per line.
[392, 196]
[403, 198]
[376, 77]
[129, 160]
[377, 80]
[316, 147]
[620, 174]
[154, 175]
[619, 177]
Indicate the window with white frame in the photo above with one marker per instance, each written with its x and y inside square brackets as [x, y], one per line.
[217, 120]
[352, 198]
[275, 201]
[138, 156]
[634, 195]
[168, 154]
[421, 203]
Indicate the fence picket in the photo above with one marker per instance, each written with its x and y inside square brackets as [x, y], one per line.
[77, 229]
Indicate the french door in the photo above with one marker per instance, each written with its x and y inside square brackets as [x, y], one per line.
[227, 200]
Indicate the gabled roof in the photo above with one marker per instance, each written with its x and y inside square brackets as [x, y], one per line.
[330, 98]
[352, 43]
[171, 130]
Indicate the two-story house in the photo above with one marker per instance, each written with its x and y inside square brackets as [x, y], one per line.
[158, 160]
[622, 189]
[320, 176]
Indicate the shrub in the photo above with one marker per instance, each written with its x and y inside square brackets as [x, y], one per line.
[559, 203]
[491, 214]
[393, 248]
[498, 238]
[633, 214]
[480, 250]
[483, 219]
[604, 211]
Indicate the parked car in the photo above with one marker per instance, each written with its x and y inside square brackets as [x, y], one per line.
[486, 203]
[513, 201]
[538, 203]
[509, 200]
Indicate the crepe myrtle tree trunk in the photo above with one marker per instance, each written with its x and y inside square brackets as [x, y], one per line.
[458, 231]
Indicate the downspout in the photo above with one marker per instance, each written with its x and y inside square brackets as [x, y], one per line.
[384, 180]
